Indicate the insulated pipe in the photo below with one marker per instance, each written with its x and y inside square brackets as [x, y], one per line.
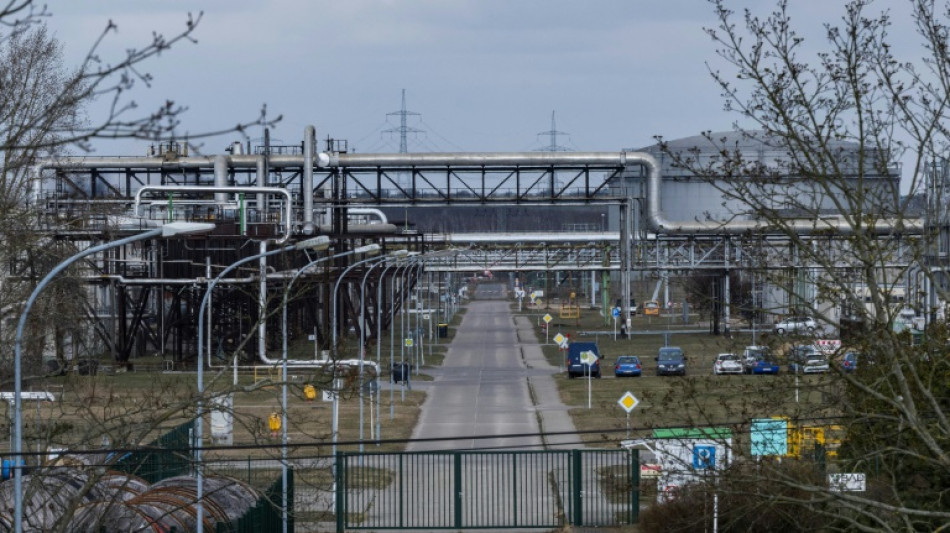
[261, 181]
[368, 211]
[654, 215]
[220, 178]
[478, 159]
[288, 218]
[361, 229]
[656, 221]
[306, 187]
[36, 187]
[262, 304]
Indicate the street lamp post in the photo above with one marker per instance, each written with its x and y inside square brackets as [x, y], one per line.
[315, 242]
[370, 248]
[362, 347]
[404, 279]
[168, 230]
[333, 321]
[379, 335]
[414, 260]
[355, 251]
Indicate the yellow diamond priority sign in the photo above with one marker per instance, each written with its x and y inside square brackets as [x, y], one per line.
[628, 401]
[559, 338]
[547, 318]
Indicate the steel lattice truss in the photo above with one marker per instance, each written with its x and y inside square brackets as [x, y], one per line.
[482, 185]
[673, 254]
[371, 185]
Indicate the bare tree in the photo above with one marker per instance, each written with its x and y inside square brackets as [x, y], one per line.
[46, 110]
[841, 120]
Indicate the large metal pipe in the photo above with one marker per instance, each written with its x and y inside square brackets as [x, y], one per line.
[655, 219]
[360, 229]
[306, 187]
[220, 178]
[288, 208]
[368, 211]
[660, 224]
[261, 181]
[479, 159]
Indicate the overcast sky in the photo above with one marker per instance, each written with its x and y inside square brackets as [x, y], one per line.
[484, 75]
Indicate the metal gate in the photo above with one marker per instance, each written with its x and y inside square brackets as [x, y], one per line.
[490, 489]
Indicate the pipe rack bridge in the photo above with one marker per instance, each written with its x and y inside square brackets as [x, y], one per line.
[286, 192]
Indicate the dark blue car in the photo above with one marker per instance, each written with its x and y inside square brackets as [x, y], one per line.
[627, 365]
[579, 355]
[758, 360]
[671, 361]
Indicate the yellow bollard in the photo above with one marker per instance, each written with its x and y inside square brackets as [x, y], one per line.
[309, 392]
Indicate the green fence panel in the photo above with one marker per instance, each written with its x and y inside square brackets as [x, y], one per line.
[486, 489]
[165, 459]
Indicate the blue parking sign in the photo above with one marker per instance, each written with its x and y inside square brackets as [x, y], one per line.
[704, 457]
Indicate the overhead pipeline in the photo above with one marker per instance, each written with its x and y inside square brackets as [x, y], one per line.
[656, 221]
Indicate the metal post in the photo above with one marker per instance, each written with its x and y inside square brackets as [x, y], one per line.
[284, 358]
[379, 344]
[336, 287]
[199, 508]
[362, 347]
[168, 230]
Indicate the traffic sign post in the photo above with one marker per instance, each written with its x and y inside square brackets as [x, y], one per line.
[628, 401]
[588, 358]
[562, 343]
[547, 330]
[615, 313]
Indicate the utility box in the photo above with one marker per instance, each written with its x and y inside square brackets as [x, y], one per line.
[443, 331]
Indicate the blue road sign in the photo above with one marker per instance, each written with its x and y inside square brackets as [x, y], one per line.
[704, 457]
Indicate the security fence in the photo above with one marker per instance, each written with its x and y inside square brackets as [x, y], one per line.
[163, 458]
[486, 489]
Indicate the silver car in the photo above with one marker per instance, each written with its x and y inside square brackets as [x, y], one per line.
[796, 324]
[807, 360]
[727, 363]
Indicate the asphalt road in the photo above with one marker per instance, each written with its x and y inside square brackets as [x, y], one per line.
[482, 390]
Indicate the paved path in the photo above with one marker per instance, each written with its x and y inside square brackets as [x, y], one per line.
[494, 382]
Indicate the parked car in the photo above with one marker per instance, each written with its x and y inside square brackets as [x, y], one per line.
[651, 308]
[627, 365]
[671, 361]
[577, 353]
[796, 324]
[727, 363]
[759, 360]
[806, 359]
